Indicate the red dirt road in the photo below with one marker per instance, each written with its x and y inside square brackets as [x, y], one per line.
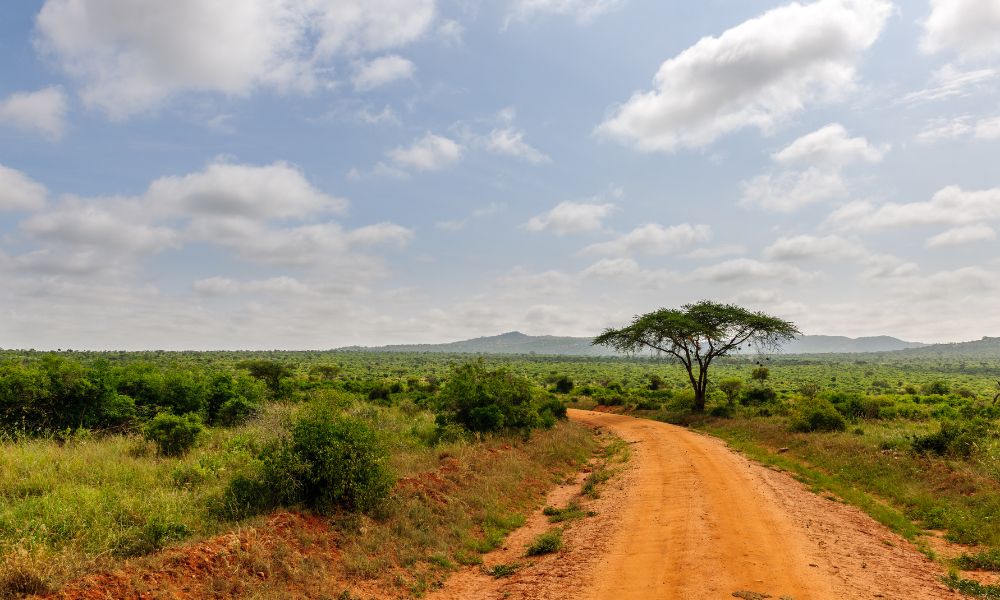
[690, 519]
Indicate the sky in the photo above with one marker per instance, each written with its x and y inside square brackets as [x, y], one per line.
[310, 174]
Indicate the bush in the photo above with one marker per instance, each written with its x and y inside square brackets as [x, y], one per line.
[758, 395]
[546, 543]
[172, 434]
[564, 385]
[237, 410]
[954, 438]
[722, 411]
[486, 401]
[328, 461]
[819, 415]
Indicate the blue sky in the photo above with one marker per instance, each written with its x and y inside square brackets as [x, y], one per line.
[308, 174]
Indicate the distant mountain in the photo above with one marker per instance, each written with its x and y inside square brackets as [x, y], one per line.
[825, 344]
[988, 347]
[516, 342]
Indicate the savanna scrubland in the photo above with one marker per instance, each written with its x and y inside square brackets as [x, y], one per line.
[394, 469]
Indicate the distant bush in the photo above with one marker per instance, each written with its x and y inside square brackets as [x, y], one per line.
[937, 387]
[758, 395]
[327, 461]
[818, 415]
[484, 400]
[722, 411]
[173, 435]
[954, 438]
[564, 385]
[237, 410]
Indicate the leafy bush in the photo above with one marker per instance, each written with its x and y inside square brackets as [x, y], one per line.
[564, 385]
[237, 410]
[954, 438]
[723, 411]
[758, 395]
[819, 415]
[327, 461]
[173, 435]
[546, 543]
[483, 400]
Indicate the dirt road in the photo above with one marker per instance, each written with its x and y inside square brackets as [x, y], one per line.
[690, 519]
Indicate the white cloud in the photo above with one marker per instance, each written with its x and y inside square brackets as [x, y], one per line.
[824, 154]
[386, 115]
[223, 286]
[112, 225]
[612, 267]
[830, 145]
[739, 269]
[429, 153]
[653, 238]
[583, 10]
[969, 27]
[963, 127]
[276, 191]
[381, 234]
[752, 75]
[949, 206]
[510, 141]
[962, 235]
[808, 246]
[43, 111]
[717, 251]
[949, 82]
[382, 71]
[571, 217]
[18, 192]
[132, 55]
[791, 190]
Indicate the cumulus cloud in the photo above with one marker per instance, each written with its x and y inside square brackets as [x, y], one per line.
[18, 192]
[791, 190]
[830, 145]
[612, 267]
[571, 217]
[112, 227]
[276, 191]
[968, 27]
[653, 238]
[957, 236]
[510, 142]
[43, 111]
[822, 157]
[429, 153]
[808, 246]
[382, 71]
[752, 75]
[130, 56]
[949, 206]
[739, 269]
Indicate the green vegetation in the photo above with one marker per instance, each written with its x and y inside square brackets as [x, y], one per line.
[546, 543]
[173, 435]
[697, 334]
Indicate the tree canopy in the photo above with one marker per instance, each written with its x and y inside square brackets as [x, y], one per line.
[698, 333]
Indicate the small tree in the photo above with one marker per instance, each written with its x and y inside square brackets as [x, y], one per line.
[760, 375]
[696, 334]
[731, 388]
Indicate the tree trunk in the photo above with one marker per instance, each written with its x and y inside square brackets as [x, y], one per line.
[699, 400]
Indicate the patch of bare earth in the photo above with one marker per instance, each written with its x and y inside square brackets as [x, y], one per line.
[691, 519]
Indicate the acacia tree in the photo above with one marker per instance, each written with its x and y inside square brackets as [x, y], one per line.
[696, 334]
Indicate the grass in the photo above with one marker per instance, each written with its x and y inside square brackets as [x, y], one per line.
[72, 507]
[502, 570]
[988, 560]
[570, 513]
[546, 543]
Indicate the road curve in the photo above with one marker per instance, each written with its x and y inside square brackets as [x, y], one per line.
[700, 521]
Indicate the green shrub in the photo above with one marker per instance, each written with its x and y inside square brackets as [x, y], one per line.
[483, 400]
[564, 385]
[954, 438]
[237, 410]
[546, 543]
[327, 461]
[723, 411]
[758, 395]
[819, 415]
[173, 435]
[118, 411]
